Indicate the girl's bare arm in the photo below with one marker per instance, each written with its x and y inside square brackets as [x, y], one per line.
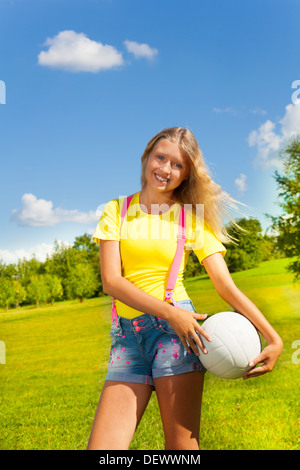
[228, 291]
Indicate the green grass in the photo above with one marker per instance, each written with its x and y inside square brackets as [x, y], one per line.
[56, 358]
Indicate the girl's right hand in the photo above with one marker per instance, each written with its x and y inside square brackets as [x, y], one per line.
[185, 323]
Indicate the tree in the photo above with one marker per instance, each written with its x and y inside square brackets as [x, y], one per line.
[63, 260]
[7, 293]
[287, 226]
[8, 271]
[193, 267]
[85, 243]
[54, 287]
[246, 253]
[13, 290]
[20, 293]
[26, 268]
[37, 290]
[81, 282]
[90, 250]
[269, 248]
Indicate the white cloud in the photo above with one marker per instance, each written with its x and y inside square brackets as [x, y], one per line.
[258, 111]
[40, 251]
[75, 52]
[40, 213]
[140, 50]
[228, 110]
[235, 112]
[269, 142]
[241, 182]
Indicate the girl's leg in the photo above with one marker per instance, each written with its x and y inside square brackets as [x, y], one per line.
[179, 398]
[120, 409]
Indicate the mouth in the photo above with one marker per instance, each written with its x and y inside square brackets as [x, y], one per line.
[160, 178]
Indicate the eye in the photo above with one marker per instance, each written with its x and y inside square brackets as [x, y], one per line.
[178, 165]
[160, 157]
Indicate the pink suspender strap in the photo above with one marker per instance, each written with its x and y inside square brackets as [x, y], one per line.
[181, 236]
[114, 314]
[125, 208]
[126, 203]
[177, 258]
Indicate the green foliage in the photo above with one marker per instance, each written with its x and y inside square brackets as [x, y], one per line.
[269, 249]
[28, 268]
[8, 271]
[70, 272]
[20, 293]
[63, 260]
[193, 267]
[7, 292]
[54, 287]
[12, 293]
[37, 289]
[90, 250]
[287, 226]
[81, 282]
[246, 253]
[250, 248]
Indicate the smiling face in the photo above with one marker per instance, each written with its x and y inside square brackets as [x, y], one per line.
[167, 166]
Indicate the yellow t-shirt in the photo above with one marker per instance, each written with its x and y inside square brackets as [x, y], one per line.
[148, 244]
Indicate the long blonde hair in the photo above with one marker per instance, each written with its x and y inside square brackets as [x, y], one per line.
[198, 188]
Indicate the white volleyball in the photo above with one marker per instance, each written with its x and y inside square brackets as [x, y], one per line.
[235, 343]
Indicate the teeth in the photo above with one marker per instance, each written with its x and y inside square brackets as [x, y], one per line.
[161, 179]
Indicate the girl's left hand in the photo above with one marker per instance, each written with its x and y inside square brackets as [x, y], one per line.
[267, 357]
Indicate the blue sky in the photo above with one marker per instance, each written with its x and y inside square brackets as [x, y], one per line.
[86, 83]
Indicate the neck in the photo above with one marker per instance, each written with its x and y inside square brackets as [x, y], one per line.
[148, 198]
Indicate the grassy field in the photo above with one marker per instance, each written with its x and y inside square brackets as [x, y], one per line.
[56, 358]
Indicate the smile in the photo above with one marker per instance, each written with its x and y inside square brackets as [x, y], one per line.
[160, 178]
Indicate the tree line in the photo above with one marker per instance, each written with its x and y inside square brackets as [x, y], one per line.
[73, 271]
[70, 272]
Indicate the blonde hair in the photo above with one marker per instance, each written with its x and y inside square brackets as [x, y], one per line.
[198, 188]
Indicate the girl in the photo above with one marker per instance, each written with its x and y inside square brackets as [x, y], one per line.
[155, 332]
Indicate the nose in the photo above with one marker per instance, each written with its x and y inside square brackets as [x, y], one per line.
[166, 167]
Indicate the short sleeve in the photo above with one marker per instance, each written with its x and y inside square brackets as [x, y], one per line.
[208, 244]
[108, 227]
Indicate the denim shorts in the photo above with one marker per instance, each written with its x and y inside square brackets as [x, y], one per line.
[145, 348]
